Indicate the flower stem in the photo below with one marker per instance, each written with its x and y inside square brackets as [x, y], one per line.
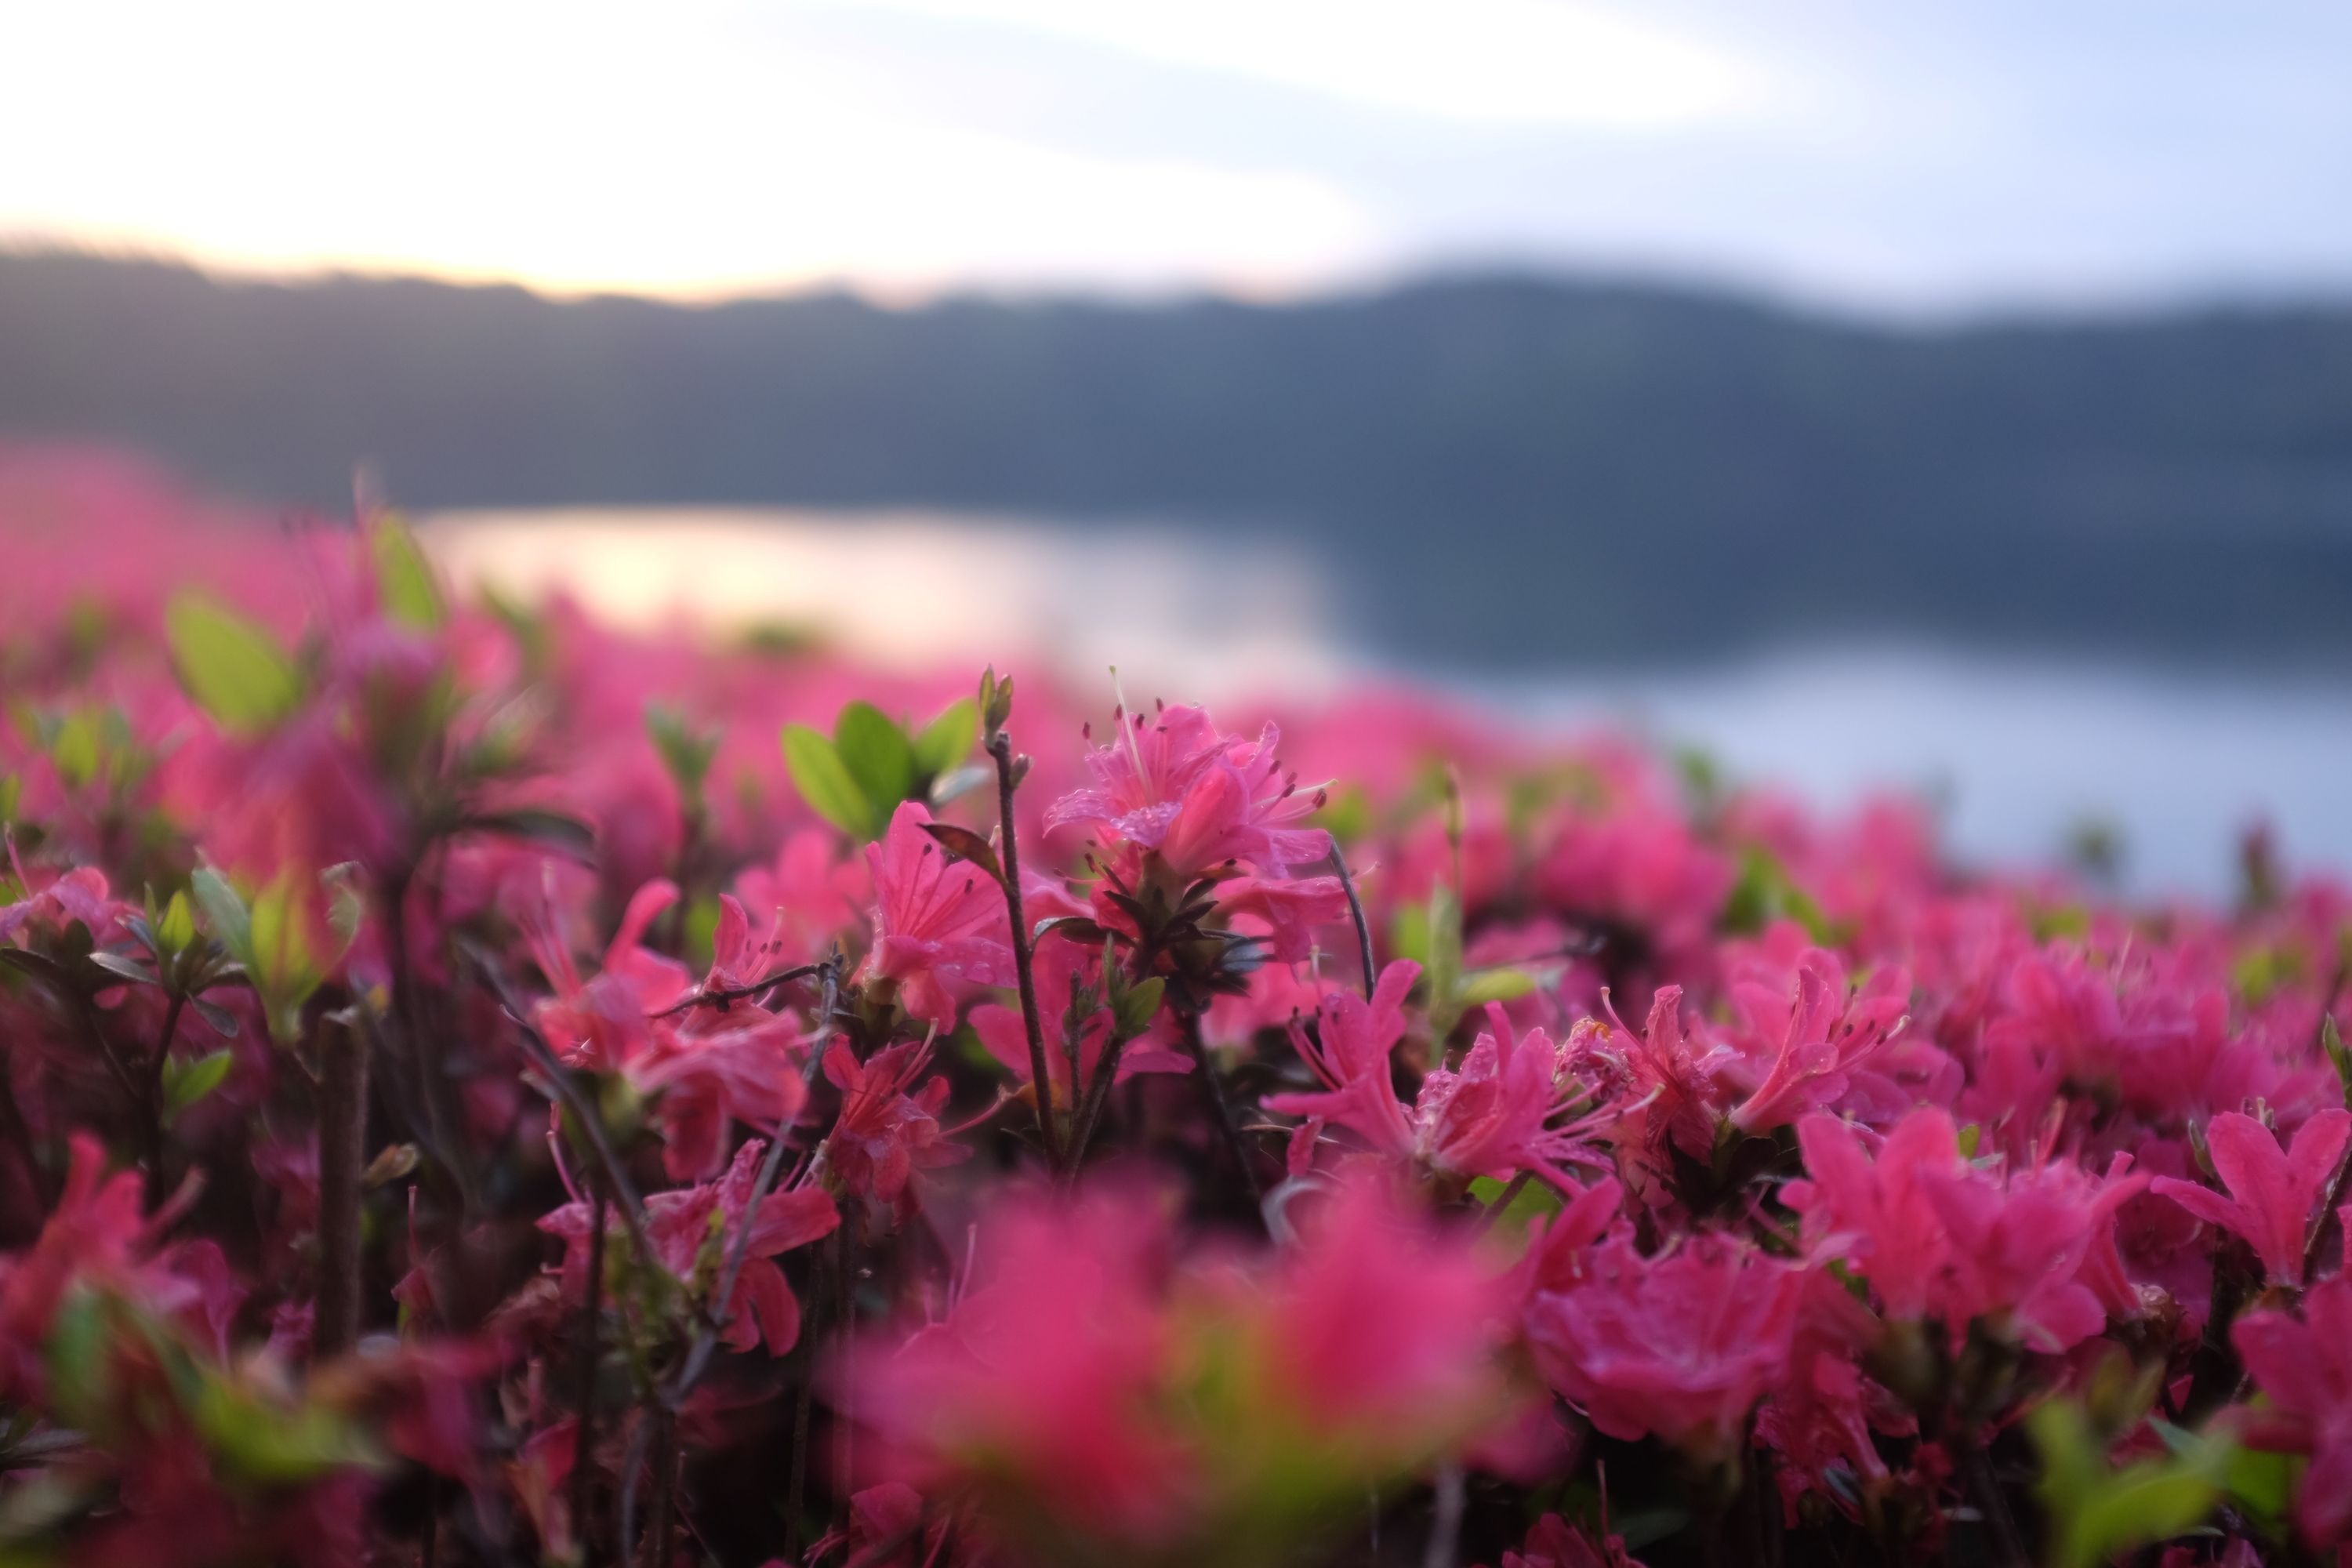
[1355, 912]
[1221, 1105]
[343, 1135]
[592, 1316]
[1000, 747]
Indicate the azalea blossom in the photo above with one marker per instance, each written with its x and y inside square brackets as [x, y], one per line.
[1170, 783]
[693, 1231]
[2272, 1192]
[937, 923]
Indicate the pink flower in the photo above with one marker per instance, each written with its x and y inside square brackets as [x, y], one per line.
[1059, 962]
[1554, 1542]
[1511, 1106]
[2305, 1367]
[1937, 1236]
[936, 921]
[1201, 800]
[1681, 1345]
[1379, 1327]
[692, 1233]
[702, 1067]
[1805, 1031]
[1044, 1375]
[882, 1134]
[2271, 1193]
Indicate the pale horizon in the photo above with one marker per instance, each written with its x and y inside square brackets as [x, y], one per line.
[1946, 160]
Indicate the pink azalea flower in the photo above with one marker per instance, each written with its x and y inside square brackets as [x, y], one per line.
[1511, 1106]
[2305, 1368]
[1380, 1326]
[701, 1067]
[1804, 1030]
[1939, 1237]
[1044, 1374]
[885, 1134]
[1060, 961]
[1553, 1542]
[685, 1226]
[1171, 784]
[2271, 1192]
[1681, 1345]
[937, 923]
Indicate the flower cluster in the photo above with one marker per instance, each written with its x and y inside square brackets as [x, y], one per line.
[477, 1087]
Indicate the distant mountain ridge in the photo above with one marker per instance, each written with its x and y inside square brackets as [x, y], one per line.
[1504, 469]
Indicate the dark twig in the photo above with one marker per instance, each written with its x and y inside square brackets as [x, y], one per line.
[1221, 1105]
[727, 997]
[1356, 913]
[1082, 1127]
[1000, 747]
[592, 1316]
[2008, 1545]
[697, 1356]
[343, 1135]
[560, 1083]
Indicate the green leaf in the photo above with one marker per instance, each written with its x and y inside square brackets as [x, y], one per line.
[683, 751]
[75, 750]
[225, 912]
[2101, 1513]
[948, 740]
[186, 1082]
[1486, 985]
[877, 754]
[403, 578]
[234, 670]
[178, 926]
[827, 786]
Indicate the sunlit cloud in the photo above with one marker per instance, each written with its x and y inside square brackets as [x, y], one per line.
[586, 148]
[1523, 60]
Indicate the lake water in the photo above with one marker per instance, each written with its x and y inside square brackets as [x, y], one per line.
[2016, 750]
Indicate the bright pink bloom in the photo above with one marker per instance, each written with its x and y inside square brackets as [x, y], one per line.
[1059, 961]
[2305, 1367]
[1046, 1372]
[2273, 1193]
[1939, 1237]
[1282, 915]
[1201, 800]
[684, 1228]
[1380, 1326]
[1512, 1105]
[937, 923]
[1804, 1031]
[1681, 1345]
[885, 1134]
[703, 1066]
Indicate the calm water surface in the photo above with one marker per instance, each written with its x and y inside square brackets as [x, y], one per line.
[2017, 751]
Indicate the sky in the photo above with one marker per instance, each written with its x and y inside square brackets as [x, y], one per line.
[1924, 156]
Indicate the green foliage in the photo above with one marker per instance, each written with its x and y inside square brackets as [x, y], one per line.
[856, 778]
[235, 670]
[826, 784]
[1766, 892]
[684, 750]
[271, 936]
[946, 741]
[2098, 1513]
[186, 1082]
[403, 578]
[878, 755]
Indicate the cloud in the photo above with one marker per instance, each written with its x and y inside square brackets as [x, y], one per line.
[1488, 60]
